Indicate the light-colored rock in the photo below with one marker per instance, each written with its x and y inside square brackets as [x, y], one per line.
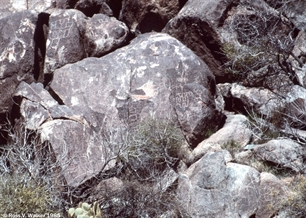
[283, 152]
[235, 129]
[272, 195]
[261, 100]
[211, 187]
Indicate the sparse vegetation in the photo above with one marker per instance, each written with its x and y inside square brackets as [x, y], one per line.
[295, 205]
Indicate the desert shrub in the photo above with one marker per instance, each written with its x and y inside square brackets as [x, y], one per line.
[29, 174]
[20, 195]
[141, 200]
[232, 146]
[154, 145]
[295, 204]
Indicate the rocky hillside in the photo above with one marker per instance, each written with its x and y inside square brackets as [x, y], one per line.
[153, 108]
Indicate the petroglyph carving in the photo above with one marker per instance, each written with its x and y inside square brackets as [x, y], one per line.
[182, 99]
[60, 29]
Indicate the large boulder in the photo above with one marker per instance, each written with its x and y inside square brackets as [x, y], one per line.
[16, 54]
[155, 76]
[80, 152]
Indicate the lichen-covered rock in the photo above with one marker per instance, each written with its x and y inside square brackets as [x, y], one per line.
[104, 34]
[16, 54]
[155, 76]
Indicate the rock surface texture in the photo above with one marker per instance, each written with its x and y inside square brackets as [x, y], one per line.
[156, 108]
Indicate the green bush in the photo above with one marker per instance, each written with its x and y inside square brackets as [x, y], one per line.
[21, 195]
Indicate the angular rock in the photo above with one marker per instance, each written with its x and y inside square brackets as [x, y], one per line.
[72, 37]
[80, 153]
[209, 27]
[283, 152]
[16, 54]
[143, 16]
[211, 187]
[261, 100]
[38, 106]
[155, 76]
[235, 130]
[295, 107]
[8, 7]
[272, 194]
[65, 40]
[104, 34]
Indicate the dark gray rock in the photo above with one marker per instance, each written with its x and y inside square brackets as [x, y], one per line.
[16, 54]
[104, 34]
[143, 16]
[155, 76]
[72, 37]
[65, 40]
[91, 7]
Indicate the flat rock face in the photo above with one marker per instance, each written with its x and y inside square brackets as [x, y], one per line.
[65, 39]
[155, 76]
[16, 54]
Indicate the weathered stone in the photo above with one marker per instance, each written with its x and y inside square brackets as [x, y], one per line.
[104, 34]
[80, 153]
[272, 194]
[91, 7]
[283, 152]
[16, 54]
[295, 106]
[261, 100]
[65, 40]
[38, 106]
[235, 130]
[143, 16]
[155, 76]
[211, 187]
[106, 188]
[8, 7]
